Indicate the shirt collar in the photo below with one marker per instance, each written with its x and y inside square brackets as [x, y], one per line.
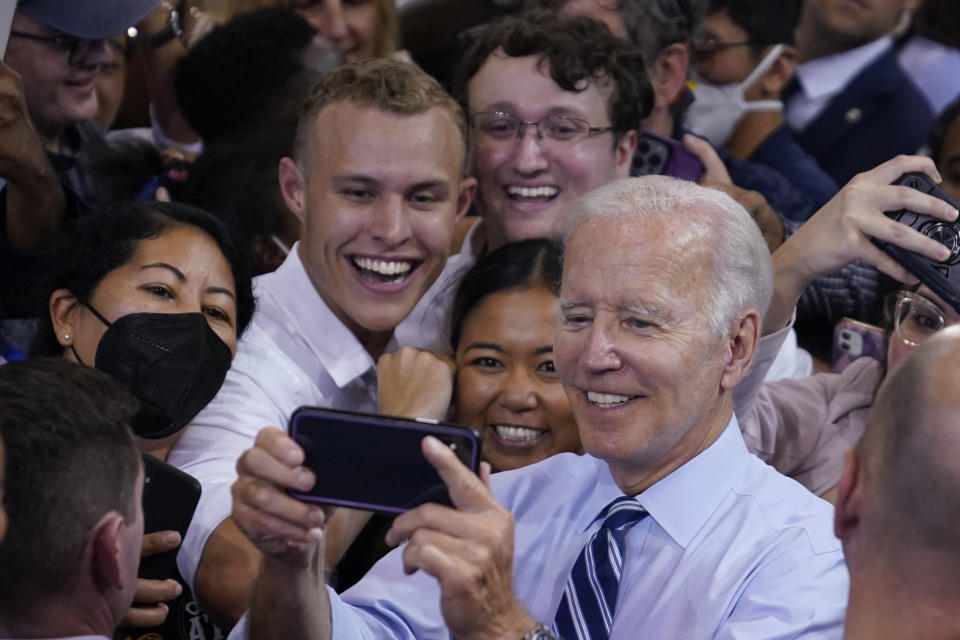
[474, 241]
[308, 316]
[828, 75]
[682, 502]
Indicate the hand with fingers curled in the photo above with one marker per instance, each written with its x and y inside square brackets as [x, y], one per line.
[469, 550]
[841, 232]
[413, 383]
[714, 171]
[283, 528]
[149, 608]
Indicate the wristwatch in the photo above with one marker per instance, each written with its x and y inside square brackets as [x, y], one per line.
[173, 30]
[541, 632]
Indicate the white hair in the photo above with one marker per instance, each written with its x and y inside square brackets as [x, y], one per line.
[742, 270]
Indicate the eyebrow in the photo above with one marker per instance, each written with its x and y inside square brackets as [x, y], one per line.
[221, 290]
[433, 185]
[182, 278]
[169, 267]
[638, 308]
[367, 180]
[485, 345]
[557, 110]
[539, 351]
[646, 310]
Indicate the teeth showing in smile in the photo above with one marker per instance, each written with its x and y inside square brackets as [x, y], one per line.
[393, 270]
[607, 400]
[517, 434]
[532, 192]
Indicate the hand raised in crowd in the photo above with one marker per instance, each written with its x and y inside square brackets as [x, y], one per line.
[716, 176]
[35, 200]
[413, 383]
[841, 232]
[148, 609]
[714, 171]
[469, 550]
[281, 527]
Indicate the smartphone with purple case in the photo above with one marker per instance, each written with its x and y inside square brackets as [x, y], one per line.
[657, 155]
[374, 462]
[853, 339]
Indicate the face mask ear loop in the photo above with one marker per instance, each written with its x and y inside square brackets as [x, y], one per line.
[100, 318]
[97, 314]
[77, 356]
[768, 61]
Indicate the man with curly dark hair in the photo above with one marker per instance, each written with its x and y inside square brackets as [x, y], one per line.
[554, 105]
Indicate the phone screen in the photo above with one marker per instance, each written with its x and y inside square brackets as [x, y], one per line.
[375, 462]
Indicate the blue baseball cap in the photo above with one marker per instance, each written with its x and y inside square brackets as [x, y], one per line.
[92, 19]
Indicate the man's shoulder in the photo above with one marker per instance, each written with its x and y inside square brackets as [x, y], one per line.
[781, 512]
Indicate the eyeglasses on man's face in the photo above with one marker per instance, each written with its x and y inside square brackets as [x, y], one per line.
[75, 48]
[705, 46]
[917, 318]
[503, 127]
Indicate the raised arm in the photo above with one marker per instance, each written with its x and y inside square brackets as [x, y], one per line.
[840, 233]
[34, 198]
[290, 599]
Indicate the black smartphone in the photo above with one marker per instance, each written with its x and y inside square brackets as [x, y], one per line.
[943, 278]
[170, 497]
[373, 462]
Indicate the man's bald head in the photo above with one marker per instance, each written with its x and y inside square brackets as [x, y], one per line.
[908, 452]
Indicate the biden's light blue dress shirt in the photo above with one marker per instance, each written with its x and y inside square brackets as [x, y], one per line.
[732, 549]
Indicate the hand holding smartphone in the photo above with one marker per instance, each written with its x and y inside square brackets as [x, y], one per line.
[943, 278]
[374, 462]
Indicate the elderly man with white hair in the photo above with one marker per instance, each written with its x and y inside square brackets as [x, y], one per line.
[667, 527]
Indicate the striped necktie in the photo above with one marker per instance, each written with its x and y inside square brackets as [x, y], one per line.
[590, 595]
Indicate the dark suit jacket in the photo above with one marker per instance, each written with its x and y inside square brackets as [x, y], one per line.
[879, 115]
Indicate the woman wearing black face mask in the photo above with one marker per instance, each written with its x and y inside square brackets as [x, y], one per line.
[157, 295]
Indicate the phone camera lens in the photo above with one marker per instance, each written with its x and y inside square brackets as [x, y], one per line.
[946, 235]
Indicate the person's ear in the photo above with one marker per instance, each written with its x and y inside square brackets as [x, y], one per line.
[106, 565]
[742, 344]
[669, 76]
[625, 148]
[846, 518]
[468, 188]
[64, 307]
[293, 188]
[778, 75]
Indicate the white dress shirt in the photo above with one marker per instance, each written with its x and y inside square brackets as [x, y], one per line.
[732, 549]
[821, 79]
[295, 352]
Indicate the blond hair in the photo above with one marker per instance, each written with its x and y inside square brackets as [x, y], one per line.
[389, 85]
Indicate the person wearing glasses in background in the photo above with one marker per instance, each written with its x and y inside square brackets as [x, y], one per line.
[48, 101]
[743, 60]
[553, 106]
